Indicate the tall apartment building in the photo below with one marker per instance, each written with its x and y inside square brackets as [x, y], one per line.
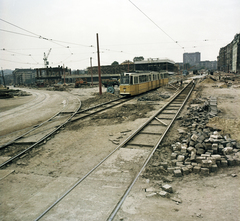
[236, 54]
[191, 58]
[229, 56]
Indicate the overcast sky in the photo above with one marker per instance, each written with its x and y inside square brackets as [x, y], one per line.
[126, 29]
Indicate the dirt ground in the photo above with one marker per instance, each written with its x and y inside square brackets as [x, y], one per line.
[52, 168]
[215, 197]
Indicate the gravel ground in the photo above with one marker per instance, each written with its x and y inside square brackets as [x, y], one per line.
[37, 180]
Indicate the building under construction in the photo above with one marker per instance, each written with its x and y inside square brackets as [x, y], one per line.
[51, 75]
[54, 75]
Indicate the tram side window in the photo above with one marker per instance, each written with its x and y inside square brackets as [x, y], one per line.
[135, 80]
[125, 79]
[149, 77]
[143, 78]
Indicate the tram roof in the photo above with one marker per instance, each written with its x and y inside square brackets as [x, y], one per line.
[155, 60]
[145, 72]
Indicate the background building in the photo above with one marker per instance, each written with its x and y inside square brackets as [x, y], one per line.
[236, 54]
[150, 64]
[191, 58]
[192, 61]
[23, 76]
[229, 56]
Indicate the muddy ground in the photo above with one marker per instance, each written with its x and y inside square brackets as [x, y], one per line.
[80, 145]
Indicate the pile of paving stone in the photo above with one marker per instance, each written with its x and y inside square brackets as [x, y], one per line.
[202, 149]
[154, 96]
[10, 93]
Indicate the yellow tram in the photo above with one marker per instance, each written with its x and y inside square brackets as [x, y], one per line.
[139, 82]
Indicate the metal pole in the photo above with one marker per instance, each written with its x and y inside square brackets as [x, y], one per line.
[91, 70]
[3, 79]
[64, 74]
[99, 68]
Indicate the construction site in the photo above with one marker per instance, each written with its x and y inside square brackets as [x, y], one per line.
[187, 176]
[120, 110]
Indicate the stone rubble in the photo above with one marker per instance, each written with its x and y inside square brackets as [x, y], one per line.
[165, 191]
[202, 149]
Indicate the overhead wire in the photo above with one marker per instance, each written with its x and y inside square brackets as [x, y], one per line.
[13, 32]
[34, 35]
[155, 24]
[16, 61]
[39, 36]
[9, 51]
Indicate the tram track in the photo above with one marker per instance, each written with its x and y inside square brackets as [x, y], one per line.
[30, 104]
[53, 125]
[98, 108]
[149, 135]
[37, 134]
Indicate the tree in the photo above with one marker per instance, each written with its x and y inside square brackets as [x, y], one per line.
[140, 58]
[115, 63]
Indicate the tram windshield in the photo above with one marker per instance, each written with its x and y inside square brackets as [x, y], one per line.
[124, 79]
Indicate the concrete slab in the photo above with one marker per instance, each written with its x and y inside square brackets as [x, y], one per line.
[34, 206]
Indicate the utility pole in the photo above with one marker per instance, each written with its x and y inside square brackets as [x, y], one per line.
[64, 75]
[99, 68]
[3, 79]
[91, 70]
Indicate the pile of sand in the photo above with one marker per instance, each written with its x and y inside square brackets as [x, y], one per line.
[224, 86]
[208, 80]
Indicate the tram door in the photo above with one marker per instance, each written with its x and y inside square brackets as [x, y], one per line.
[136, 84]
[151, 82]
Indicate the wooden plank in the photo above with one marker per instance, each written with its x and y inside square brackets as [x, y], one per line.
[160, 121]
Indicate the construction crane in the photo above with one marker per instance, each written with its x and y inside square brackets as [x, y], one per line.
[45, 57]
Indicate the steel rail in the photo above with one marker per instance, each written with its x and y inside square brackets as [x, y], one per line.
[35, 104]
[118, 206]
[110, 154]
[34, 127]
[43, 138]
[100, 110]
[99, 105]
[69, 120]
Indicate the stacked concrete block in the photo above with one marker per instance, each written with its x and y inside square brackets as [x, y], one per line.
[167, 188]
[164, 165]
[204, 171]
[185, 170]
[170, 169]
[177, 173]
[164, 194]
[196, 169]
[202, 149]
